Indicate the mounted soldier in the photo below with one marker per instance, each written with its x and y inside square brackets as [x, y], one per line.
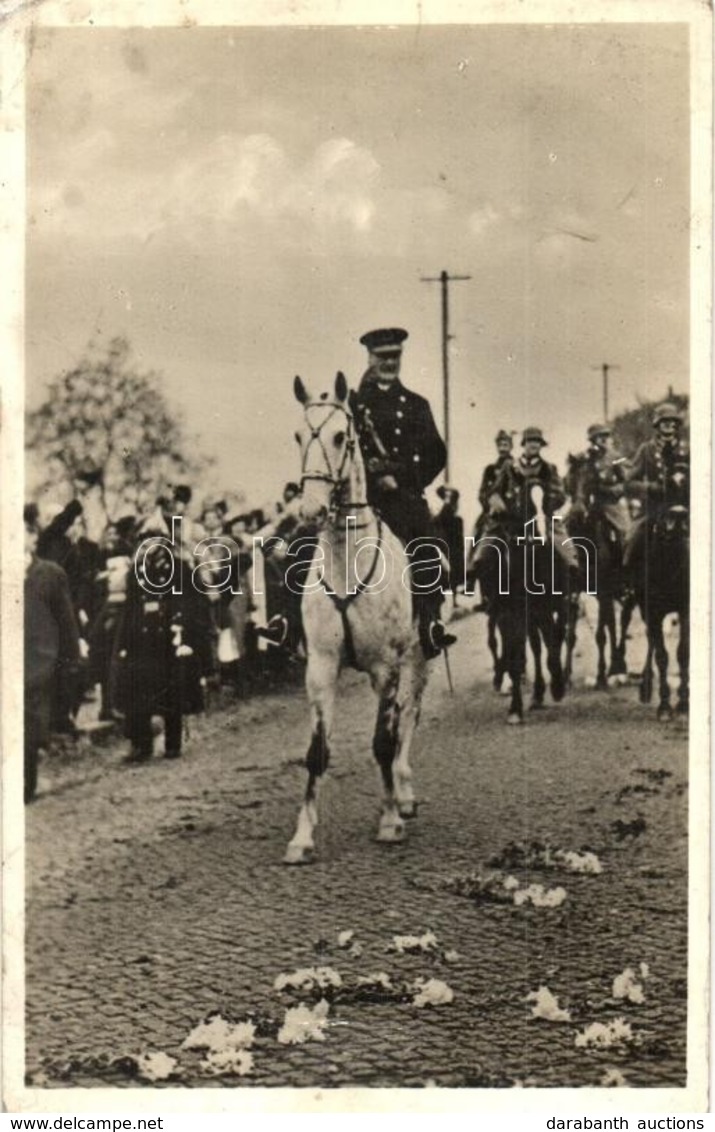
[505, 444]
[659, 478]
[511, 500]
[403, 454]
[597, 485]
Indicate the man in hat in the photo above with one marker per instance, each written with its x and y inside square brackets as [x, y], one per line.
[450, 530]
[659, 477]
[504, 444]
[403, 454]
[597, 483]
[51, 645]
[512, 501]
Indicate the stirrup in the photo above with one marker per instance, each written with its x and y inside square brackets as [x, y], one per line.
[439, 638]
[275, 632]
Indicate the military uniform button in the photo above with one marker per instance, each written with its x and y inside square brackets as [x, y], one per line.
[416, 458]
[403, 398]
[399, 413]
[398, 431]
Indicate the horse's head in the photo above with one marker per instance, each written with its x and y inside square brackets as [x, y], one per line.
[327, 447]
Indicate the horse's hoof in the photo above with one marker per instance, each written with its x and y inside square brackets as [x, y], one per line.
[683, 708]
[407, 809]
[601, 684]
[536, 705]
[613, 681]
[558, 691]
[513, 718]
[299, 855]
[590, 683]
[391, 835]
[646, 692]
[665, 713]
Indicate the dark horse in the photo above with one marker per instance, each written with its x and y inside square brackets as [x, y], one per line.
[530, 606]
[611, 592]
[662, 586]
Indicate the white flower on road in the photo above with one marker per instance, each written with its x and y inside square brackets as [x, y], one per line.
[405, 943]
[301, 1024]
[307, 978]
[218, 1035]
[627, 986]
[431, 992]
[379, 979]
[546, 1006]
[614, 1079]
[604, 1035]
[579, 862]
[451, 956]
[155, 1066]
[539, 896]
[228, 1062]
[345, 938]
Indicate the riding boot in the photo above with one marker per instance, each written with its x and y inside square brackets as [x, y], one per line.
[433, 635]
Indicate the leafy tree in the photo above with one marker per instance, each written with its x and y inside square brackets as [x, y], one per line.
[106, 424]
[633, 427]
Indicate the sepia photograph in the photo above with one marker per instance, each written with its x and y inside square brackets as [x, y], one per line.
[361, 362]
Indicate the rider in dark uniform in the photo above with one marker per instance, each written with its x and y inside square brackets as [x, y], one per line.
[659, 477]
[403, 454]
[597, 482]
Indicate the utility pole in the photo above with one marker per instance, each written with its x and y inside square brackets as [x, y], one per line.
[444, 278]
[605, 368]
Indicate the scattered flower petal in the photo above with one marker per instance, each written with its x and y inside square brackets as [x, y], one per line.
[613, 1078]
[626, 986]
[431, 992]
[539, 896]
[219, 1035]
[645, 971]
[604, 1035]
[303, 1024]
[579, 862]
[228, 1062]
[451, 956]
[345, 938]
[406, 943]
[380, 979]
[307, 979]
[155, 1066]
[546, 1006]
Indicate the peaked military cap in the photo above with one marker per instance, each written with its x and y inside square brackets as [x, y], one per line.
[445, 489]
[533, 433]
[387, 341]
[598, 430]
[667, 412]
[182, 493]
[503, 435]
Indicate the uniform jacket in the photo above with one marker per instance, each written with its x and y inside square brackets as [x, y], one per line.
[155, 672]
[597, 478]
[51, 635]
[489, 478]
[513, 485]
[651, 475]
[414, 452]
[449, 527]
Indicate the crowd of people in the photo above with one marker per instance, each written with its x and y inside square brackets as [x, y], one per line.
[146, 631]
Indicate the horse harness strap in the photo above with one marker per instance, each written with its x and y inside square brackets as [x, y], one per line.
[342, 604]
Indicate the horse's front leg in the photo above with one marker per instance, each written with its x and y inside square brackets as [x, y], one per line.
[600, 635]
[385, 681]
[321, 678]
[413, 677]
[660, 653]
[684, 663]
[539, 690]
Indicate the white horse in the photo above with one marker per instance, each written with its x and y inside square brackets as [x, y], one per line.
[356, 610]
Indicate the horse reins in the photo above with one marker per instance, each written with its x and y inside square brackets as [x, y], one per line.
[339, 482]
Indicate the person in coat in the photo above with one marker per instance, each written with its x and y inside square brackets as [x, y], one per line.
[597, 483]
[449, 526]
[403, 454]
[659, 478]
[162, 647]
[51, 645]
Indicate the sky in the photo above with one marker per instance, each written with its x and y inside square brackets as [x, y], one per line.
[244, 203]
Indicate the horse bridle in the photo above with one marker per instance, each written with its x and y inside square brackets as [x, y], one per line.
[338, 479]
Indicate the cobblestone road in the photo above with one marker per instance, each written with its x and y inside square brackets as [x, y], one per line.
[156, 894]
